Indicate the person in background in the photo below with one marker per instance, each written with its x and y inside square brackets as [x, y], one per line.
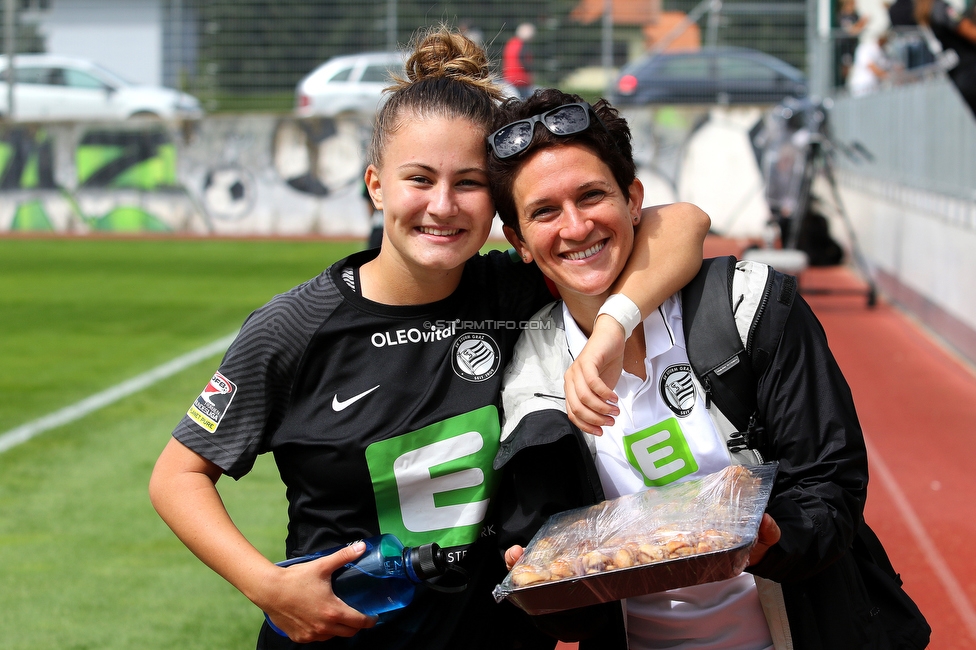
[851, 25]
[566, 190]
[871, 65]
[901, 13]
[915, 49]
[851, 22]
[376, 384]
[517, 60]
[955, 31]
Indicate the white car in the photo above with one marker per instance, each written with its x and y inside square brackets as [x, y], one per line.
[348, 84]
[49, 87]
[354, 83]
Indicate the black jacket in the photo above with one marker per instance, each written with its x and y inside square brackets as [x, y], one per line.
[828, 562]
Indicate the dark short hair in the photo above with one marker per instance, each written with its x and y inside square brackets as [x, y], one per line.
[611, 145]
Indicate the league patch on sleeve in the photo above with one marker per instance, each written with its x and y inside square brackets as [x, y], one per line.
[208, 409]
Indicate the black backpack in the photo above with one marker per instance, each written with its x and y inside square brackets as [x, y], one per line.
[727, 371]
[730, 374]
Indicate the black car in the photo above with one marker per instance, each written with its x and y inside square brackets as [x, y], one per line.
[725, 75]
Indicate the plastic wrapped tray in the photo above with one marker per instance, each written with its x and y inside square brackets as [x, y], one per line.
[663, 538]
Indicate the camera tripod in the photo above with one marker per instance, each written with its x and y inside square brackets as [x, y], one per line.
[793, 148]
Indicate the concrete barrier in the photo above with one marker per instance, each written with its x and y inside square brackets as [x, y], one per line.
[223, 175]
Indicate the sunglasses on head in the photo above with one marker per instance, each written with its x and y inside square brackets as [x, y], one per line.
[568, 119]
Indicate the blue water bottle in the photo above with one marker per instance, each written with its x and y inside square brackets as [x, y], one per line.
[383, 578]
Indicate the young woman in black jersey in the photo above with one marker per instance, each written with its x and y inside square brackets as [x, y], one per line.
[376, 384]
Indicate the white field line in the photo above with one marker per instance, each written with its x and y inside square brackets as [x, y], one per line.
[25, 432]
[957, 595]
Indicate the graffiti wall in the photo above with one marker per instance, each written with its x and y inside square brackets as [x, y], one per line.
[231, 175]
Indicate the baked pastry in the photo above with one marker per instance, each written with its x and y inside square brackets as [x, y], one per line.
[524, 575]
[657, 525]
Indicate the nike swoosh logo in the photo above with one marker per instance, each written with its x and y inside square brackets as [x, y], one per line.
[338, 405]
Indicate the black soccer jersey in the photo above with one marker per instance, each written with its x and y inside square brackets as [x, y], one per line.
[382, 419]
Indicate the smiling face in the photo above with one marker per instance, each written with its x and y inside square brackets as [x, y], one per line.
[577, 224]
[433, 189]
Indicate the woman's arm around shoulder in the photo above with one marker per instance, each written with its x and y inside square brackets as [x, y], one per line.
[667, 254]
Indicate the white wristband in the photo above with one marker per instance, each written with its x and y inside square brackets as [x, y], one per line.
[623, 310]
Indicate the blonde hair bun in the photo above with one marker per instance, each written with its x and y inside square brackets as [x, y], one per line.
[441, 53]
[447, 75]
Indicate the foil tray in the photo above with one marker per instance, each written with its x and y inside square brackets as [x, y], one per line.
[742, 514]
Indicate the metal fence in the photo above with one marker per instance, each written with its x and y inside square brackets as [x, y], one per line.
[239, 55]
[249, 55]
[918, 135]
[255, 163]
[575, 46]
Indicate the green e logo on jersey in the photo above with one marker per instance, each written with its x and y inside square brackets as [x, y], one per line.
[437, 479]
[660, 453]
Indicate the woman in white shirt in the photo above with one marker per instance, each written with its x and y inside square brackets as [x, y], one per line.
[565, 186]
[871, 65]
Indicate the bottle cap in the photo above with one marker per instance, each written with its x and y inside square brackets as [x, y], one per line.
[427, 561]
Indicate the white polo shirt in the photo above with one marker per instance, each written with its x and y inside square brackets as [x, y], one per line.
[664, 435]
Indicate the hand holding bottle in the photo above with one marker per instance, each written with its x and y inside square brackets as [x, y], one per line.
[304, 606]
[380, 576]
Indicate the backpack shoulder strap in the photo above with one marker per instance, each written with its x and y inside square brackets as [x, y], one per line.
[715, 350]
[727, 371]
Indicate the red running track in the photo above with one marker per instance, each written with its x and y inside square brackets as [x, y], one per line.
[917, 404]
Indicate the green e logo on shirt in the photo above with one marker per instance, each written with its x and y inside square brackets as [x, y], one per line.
[660, 453]
[438, 479]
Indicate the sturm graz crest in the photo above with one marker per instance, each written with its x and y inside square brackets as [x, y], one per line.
[476, 357]
[678, 389]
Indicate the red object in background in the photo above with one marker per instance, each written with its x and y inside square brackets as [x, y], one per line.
[514, 63]
[627, 84]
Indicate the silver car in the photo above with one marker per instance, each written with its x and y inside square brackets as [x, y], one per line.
[347, 84]
[50, 87]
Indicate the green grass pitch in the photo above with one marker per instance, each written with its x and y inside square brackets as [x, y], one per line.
[86, 562]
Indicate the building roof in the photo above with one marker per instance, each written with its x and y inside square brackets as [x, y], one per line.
[625, 12]
[666, 28]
